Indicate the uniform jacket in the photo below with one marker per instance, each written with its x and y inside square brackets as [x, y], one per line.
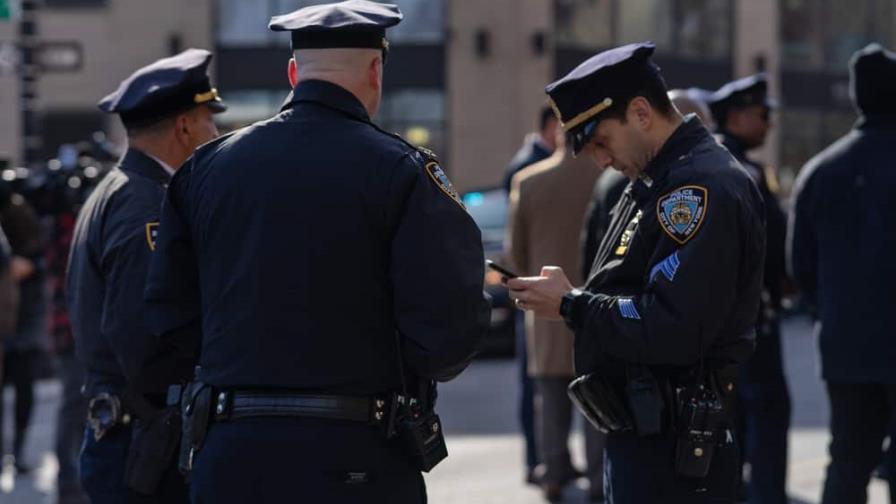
[607, 191]
[842, 244]
[678, 274]
[308, 245]
[112, 244]
[547, 207]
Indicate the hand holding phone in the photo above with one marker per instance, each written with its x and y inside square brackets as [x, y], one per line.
[500, 269]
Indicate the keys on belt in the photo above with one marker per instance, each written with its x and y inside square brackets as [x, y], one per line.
[104, 412]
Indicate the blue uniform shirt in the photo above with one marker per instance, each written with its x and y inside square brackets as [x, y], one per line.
[110, 253]
[305, 242]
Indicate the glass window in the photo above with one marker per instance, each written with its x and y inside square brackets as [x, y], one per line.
[244, 23]
[703, 28]
[584, 23]
[824, 34]
[641, 20]
[417, 115]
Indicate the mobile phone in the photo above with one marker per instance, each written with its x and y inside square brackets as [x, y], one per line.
[500, 269]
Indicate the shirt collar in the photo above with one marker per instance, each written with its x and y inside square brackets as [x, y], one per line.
[169, 170]
[677, 147]
[140, 162]
[328, 94]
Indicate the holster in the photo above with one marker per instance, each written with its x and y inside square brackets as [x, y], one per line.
[600, 402]
[153, 444]
[196, 412]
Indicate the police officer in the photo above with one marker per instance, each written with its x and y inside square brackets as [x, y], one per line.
[672, 297]
[842, 240]
[334, 272]
[166, 108]
[742, 112]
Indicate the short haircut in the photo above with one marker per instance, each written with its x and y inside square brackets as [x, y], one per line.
[652, 88]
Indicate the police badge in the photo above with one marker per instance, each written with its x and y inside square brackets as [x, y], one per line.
[681, 212]
[152, 232]
[437, 174]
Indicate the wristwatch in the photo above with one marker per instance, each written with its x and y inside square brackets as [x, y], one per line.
[567, 305]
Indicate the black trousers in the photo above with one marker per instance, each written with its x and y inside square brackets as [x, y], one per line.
[763, 420]
[860, 419]
[277, 460]
[641, 470]
[19, 370]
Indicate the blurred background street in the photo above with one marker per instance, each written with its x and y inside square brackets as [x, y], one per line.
[485, 463]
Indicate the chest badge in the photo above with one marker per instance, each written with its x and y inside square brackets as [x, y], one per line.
[152, 233]
[437, 174]
[627, 235]
[681, 212]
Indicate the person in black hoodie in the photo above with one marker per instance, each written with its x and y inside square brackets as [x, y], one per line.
[841, 244]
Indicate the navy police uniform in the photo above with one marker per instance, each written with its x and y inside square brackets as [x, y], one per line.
[113, 241]
[676, 278]
[842, 240]
[320, 256]
[763, 413]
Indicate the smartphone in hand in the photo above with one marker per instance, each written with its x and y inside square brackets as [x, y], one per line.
[500, 269]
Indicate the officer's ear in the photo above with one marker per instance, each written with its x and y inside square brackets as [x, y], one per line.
[292, 72]
[640, 112]
[375, 73]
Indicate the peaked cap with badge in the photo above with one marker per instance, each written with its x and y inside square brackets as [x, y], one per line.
[349, 24]
[740, 93]
[167, 87]
[596, 85]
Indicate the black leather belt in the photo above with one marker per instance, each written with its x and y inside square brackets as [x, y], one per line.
[232, 405]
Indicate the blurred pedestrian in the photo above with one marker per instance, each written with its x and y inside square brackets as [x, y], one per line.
[167, 110]
[332, 275]
[9, 296]
[669, 308]
[23, 352]
[842, 240]
[547, 207]
[742, 110]
[536, 146]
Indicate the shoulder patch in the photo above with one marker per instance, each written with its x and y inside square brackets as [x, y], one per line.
[152, 233]
[681, 212]
[437, 174]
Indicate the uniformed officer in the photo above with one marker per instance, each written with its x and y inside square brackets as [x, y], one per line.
[166, 108]
[742, 111]
[329, 265]
[673, 294]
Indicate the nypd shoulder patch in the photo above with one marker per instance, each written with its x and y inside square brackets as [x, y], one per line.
[437, 174]
[681, 212]
[152, 233]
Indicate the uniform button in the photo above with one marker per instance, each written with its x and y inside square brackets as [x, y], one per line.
[698, 452]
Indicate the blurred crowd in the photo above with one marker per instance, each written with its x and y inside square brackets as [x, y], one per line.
[38, 207]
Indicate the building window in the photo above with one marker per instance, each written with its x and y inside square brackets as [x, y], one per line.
[584, 23]
[418, 115]
[243, 23]
[697, 29]
[819, 34]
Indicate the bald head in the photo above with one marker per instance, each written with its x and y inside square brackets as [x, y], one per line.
[360, 71]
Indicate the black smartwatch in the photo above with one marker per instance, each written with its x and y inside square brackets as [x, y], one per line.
[567, 305]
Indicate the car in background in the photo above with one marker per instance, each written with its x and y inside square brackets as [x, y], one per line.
[488, 207]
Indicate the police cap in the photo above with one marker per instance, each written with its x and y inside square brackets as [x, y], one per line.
[349, 24]
[168, 87]
[741, 93]
[596, 85]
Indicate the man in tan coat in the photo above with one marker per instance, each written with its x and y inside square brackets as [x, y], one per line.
[547, 207]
